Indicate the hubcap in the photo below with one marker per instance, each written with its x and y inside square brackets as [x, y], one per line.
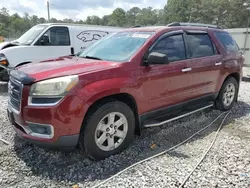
[229, 94]
[111, 131]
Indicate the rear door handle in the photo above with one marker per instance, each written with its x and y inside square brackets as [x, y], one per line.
[186, 69]
[218, 64]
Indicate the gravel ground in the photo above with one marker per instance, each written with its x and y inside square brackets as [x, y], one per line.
[226, 165]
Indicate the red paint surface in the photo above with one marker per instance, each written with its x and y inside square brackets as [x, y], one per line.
[152, 87]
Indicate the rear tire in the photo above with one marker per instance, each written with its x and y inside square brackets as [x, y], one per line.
[109, 129]
[227, 95]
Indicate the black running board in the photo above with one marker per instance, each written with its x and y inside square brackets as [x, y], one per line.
[157, 123]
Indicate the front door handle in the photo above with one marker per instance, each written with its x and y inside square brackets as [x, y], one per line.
[218, 64]
[186, 69]
[72, 51]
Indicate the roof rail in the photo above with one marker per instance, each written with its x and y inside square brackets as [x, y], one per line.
[193, 24]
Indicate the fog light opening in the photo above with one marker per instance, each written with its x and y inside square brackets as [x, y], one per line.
[41, 130]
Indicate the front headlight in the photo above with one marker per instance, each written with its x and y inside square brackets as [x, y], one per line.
[3, 60]
[54, 87]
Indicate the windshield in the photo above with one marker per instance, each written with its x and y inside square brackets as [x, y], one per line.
[28, 37]
[117, 47]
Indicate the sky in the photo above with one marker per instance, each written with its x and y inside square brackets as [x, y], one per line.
[75, 9]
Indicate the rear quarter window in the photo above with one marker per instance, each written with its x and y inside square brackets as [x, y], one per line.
[227, 41]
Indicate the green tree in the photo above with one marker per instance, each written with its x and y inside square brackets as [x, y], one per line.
[17, 25]
[237, 14]
[4, 22]
[118, 17]
[67, 20]
[53, 20]
[106, 20]
[42, 20]
[88, 20]
[34, 20]
[4, 16]
[95, 20]
[227, 13]
[161, 17]
[147, 16]
[201, 11]
[177, 10]
[132, 16]
[80, 22]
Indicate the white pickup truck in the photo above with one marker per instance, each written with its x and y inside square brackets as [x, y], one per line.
[48, 41]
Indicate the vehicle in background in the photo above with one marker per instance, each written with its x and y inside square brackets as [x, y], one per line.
[47, 41]
[137, 78]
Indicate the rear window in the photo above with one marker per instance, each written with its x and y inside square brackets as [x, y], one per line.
[200, 45]
[227, 41]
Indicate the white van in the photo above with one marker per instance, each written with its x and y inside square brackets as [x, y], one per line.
[48, 41]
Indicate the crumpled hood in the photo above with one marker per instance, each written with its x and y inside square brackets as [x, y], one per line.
[6, 44]
[3, 44]
[64, 66]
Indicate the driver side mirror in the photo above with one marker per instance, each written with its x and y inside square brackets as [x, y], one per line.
[157, 58]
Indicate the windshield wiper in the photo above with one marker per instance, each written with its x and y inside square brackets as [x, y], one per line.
[92, 57]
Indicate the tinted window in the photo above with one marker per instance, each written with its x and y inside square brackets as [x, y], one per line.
[200, 45]
[227, 41]
[55, 36]
[172, 46]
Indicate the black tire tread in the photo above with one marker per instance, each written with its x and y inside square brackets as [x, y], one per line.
[219, 103]
[105, 105]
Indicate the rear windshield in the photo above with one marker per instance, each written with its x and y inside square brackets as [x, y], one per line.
[227, 41]
[118, 47]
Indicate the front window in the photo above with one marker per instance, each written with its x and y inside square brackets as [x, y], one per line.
[55, 36]
[172, 46]
[28, 37]
[118, 47]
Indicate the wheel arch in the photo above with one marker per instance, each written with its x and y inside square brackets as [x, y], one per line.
[122, 97]
[237, 77]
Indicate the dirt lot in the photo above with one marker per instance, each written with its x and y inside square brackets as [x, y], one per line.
[227, 164]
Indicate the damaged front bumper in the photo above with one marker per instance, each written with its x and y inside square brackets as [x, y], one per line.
[4, 74]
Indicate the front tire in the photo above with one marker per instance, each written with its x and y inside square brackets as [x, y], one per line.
[228, 95]
[109, 129]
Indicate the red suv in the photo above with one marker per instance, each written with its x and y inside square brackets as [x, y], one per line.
[136, 78]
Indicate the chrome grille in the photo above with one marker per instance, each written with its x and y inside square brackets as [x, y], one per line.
[15, 93]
